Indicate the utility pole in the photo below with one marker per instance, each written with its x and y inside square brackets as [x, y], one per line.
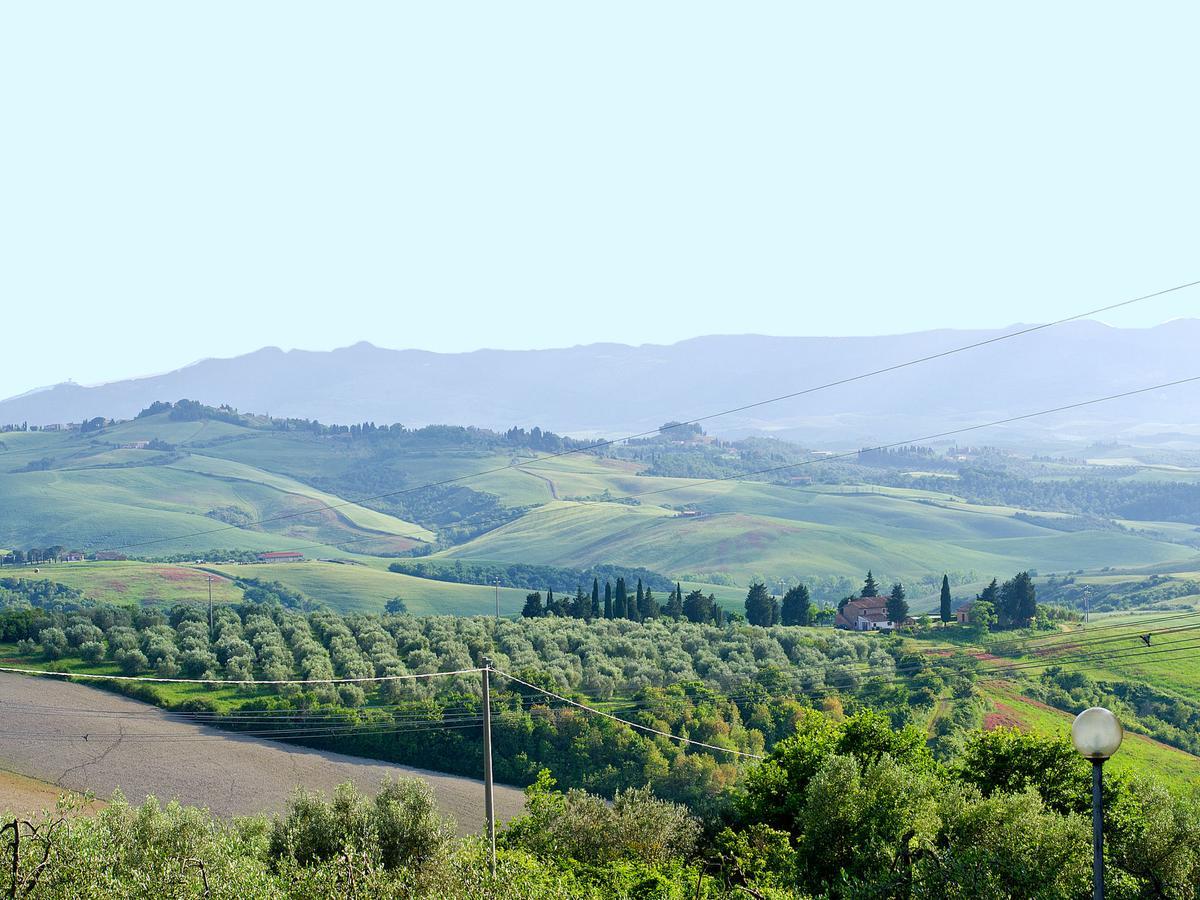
[488, 804]
[496, 582]
[210, 609]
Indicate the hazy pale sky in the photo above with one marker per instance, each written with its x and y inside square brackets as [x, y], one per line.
[192, 180]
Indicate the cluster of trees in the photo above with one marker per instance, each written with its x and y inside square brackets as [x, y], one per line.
[1006, 606]
[795, 608]
[33, 556]
[524, 575]
[1107, 497]
[730, 687]
[844, 807]
[618, 603]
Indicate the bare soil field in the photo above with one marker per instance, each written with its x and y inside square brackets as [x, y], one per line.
[141, 750]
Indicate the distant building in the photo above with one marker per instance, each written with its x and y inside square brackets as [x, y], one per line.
[963, 613]
[867, 614]
[73, 556]
[281, 556]
[135, 445]
[688, 514]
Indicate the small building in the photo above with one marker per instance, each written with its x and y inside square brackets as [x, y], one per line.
[73, 556]
[281, 556]
[135, 445]
[963, 613]
[865, 614]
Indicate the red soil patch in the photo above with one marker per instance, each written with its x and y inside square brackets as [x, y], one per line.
[114, 584]
[988, 657]
[1002, 717]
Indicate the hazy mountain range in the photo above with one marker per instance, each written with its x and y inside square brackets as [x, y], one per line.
[615, 388]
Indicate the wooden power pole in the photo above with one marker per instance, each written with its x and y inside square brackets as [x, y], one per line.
[488, 800]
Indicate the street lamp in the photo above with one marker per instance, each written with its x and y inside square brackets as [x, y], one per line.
[1097, 735]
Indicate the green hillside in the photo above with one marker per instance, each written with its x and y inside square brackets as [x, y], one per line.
[104, 489]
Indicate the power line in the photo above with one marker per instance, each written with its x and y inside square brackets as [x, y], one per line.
[231, 682]
[704, 418]
[737, 476]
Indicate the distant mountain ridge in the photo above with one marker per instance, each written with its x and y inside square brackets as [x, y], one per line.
[615, 388]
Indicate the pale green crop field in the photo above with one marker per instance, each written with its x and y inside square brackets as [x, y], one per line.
[362, 588]
[125, 582]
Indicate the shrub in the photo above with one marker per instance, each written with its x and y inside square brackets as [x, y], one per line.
[401, 826]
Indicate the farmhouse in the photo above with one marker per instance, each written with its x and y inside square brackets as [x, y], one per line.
[866, 614]
[281, 556]
[963, 613]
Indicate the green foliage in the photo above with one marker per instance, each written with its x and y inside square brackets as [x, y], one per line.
[556, 578]
[400, 826]
[797, 607]
[635, 826]
[1013, 761]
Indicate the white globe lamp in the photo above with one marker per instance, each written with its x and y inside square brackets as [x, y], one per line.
[1096, 734]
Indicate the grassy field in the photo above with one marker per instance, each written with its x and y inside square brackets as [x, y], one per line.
[86, 491]
[836, 534]
[137, 582]
[1138, 752]
[366, 588]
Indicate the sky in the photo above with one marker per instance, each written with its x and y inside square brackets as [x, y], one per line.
[192, 180]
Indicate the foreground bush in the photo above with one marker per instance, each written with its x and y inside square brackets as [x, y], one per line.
[344, 847]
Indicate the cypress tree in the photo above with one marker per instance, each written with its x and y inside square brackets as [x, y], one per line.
[551, 604]
[595, 598]
[897, 608]
[870, 588]
[945, 610]
[675, 604]
[650, 608]
[620, 607]
[608, 604]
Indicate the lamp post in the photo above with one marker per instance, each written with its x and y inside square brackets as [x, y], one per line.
[1097, 735]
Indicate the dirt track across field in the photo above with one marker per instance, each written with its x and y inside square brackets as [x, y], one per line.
[42, 722]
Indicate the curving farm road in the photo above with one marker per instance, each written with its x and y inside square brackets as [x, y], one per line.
[42, 720]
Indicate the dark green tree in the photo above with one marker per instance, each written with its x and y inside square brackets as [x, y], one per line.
[620, 602]
[698, 608]
[1017, 606]
[595, 598]
[797, 607]
[533, 606]
[946, 614]
[608, 604]
[897, 606]
[870, 588]
[647, 606]
[674, 608]
[758, 604]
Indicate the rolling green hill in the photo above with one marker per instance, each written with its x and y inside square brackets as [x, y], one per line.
[99, 491]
